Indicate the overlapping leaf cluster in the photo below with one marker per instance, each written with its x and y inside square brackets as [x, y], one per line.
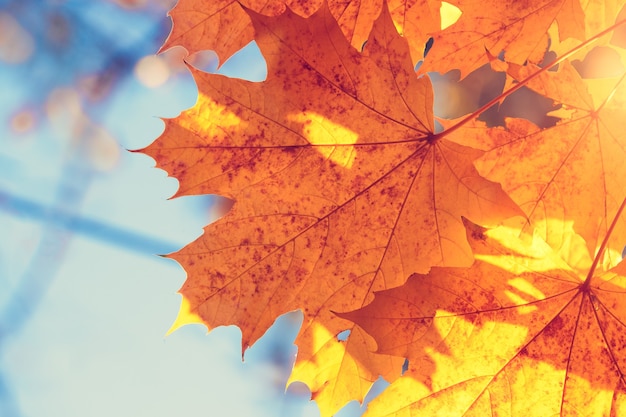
[489, 258]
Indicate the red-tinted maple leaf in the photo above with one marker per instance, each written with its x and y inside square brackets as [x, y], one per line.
[340, 188]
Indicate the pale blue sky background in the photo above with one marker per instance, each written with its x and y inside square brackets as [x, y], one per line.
[84, 302]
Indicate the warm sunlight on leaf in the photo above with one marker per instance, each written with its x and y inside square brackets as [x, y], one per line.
[538, 255]
[341, 370]
[517, 28]
[185, 316]
[221, 116]
[570, 172]
[449, 14]
[558, 338]
[319, 130]
[598, 15]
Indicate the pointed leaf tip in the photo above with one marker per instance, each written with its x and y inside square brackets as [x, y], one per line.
[185, 316]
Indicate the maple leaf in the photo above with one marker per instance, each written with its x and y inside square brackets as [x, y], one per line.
[520, 332]
[541, 168]
[597, 16]
[220, 25]
[224, 26]
[518, 28]
[340, 188]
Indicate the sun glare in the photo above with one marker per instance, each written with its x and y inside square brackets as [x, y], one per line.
[322, 132]
[185, 316]
[449, 14]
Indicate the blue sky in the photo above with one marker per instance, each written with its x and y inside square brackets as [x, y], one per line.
[85, 301]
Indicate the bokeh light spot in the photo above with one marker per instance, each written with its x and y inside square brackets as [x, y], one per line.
[152, 71]
[103, 150]
[16, 44]
[23, 121]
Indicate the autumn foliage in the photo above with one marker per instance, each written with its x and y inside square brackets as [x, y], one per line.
[487, 257]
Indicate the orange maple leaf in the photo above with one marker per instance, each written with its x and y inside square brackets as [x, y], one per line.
[567, 177]
[224, 26]
[520, 29]
[219, 25]
[340, 186]
[519, 333]
[598, 15]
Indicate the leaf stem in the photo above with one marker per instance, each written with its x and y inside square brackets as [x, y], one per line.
[525, 81]
[602, 248]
